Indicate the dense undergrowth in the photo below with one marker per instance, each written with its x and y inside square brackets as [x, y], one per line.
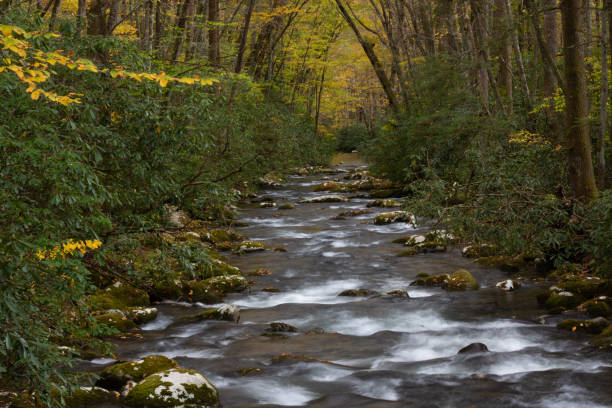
[115, 164]
[490, 178]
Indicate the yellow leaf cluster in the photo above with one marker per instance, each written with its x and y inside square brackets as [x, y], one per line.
[32, 67]
[68, 248]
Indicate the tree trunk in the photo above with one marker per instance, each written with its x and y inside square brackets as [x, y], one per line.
[503, 49]
[243, 37]
[214, 55]
[603, 114]
[368, 47]
[581, 174]
[113, 16]
[82, 16]
[480, 44]
[518, 55]
[186, 11]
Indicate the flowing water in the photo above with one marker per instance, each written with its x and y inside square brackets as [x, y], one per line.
[378, 352]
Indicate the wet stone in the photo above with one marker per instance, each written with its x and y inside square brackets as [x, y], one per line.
[474, 348]
[279, 327]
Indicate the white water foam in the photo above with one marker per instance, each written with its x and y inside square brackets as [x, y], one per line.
[275, 392]
[161, 322]
[325, 293]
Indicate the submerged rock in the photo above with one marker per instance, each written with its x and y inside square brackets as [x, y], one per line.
[508, 285]
[114, 377]
[384, 203]
[474, 348]
[287, 207]
[267, 204]
[436, 280]
[279, 327]
[260, 272]
[394, 216]
[250, 371]
[358, 292]
[325, 199]
[353, 213]
[174, 388]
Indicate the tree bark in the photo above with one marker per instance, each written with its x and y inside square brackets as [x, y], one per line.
[518, 55]
[581, 173]
[243, 37]
[82, 16]
[214, 55]
[603, 113]
[503, 49]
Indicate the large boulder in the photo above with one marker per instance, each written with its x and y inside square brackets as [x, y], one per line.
[114, 377]
[436, 280]
[174, 388]
[141, 315]
[118, 296]
[461, 280]
[394, 216]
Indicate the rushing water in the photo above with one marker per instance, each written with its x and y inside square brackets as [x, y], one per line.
[380, 352]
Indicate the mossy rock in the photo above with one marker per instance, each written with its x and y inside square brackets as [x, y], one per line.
[563, 301]
[333, 186]
[325, 199]
[461, 280]
[220, 268]
[249, 246]
[408, 252]
[437, 280]
[114, 377]
[220, 235]
[503, 263]
[392, 217]
[228, 284]
[225, 312]
[596, 308]
[141, 315]
[118, 296]
[384, 193]
[384, 204]
[116, 320]
[250, 371]
[287, 206]
[173, 388]
[588, 288]
[604, 340]
[166, 289]
[593, 326]
[189, 236]
[201, 291]
[87, 397]
[479, 251]
[422, 275]
[352, 213]
[363, 292]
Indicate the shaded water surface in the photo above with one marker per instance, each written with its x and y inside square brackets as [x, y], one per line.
[381, 352]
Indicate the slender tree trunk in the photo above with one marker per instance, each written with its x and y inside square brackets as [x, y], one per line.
[243, 37]
[113, 16]
[181, 26]
[480, 44]
[160, 11]
[368, 47]
[82, 16]
[581, 173]
[518, 55]
[214, 55]
[503, 49]
[56, 4]
[603, 114]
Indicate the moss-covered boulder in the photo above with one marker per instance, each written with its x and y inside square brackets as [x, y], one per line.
[593, 326]
[384, 203]
[560, 301]
[333, 186]
[436, 280]
[168, 288]
[325, 199]
[595, 307]
[461, 280]
[116, 320]
[392, 217]
[114, 377]
[249, 246]
[118, 296]
[221, 235]
[141, 315]
[221, 268]
[287, 206]
[479, 251]
[250, 371]
[86, 397]
[604, 340]
[174, 388]
[587, 287]
[503, 263]
[201, 291]
[352, 213]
